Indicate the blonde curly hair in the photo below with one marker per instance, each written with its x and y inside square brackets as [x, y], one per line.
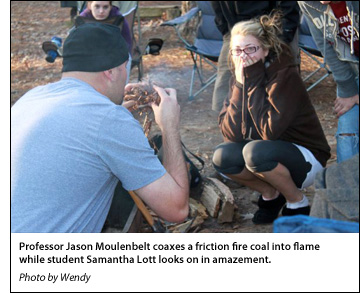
[267, 29]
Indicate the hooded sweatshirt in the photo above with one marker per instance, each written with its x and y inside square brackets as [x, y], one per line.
[273, 104]
[338, 54]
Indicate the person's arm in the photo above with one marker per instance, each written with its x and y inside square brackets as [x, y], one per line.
[291, 19]
[168, 196]
[273, 106]
[230, 117]
[86, 13]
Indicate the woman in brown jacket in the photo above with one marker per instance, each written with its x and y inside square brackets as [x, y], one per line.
[274, 142]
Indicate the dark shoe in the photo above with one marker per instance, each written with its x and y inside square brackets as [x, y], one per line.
[268, 210]
[154, 46]
[292, 212]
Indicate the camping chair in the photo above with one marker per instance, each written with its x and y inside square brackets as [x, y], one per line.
[205, 48]
[129, 10]
[308, 46]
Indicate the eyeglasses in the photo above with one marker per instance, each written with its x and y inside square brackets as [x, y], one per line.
[248, 50]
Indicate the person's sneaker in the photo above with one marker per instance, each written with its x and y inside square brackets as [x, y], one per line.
[292, 212]
[268, 209]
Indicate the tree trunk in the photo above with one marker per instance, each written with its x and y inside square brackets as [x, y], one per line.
[188, 30]
[187, 5]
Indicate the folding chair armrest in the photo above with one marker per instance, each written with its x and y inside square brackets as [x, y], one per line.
[310, 49]
[182, 19]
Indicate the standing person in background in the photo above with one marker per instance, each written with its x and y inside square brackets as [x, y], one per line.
[228, 13]
[334, 26]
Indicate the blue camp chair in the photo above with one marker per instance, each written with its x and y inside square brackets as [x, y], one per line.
[205, 48]
[308, 46]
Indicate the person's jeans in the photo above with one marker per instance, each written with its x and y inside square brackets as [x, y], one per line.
[348, 144]
[348, 124]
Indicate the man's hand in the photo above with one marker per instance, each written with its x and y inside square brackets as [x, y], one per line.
[167, 113]
[129, 86]
[168, 196]
[342, 105]
[128, 104]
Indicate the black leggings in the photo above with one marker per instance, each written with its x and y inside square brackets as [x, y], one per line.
[261, 156]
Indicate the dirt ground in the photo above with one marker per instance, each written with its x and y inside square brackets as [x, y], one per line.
[35, 22]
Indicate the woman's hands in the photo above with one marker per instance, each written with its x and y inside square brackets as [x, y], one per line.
[242, 62]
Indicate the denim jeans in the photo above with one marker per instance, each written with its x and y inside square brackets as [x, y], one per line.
[348, 146]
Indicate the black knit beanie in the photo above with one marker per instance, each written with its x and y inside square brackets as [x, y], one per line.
[94, 47]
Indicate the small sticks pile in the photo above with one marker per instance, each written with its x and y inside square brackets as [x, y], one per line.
[143, 94]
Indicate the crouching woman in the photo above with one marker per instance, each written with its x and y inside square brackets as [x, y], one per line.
[274, 142]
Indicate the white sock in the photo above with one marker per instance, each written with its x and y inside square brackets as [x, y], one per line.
[300, 204]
